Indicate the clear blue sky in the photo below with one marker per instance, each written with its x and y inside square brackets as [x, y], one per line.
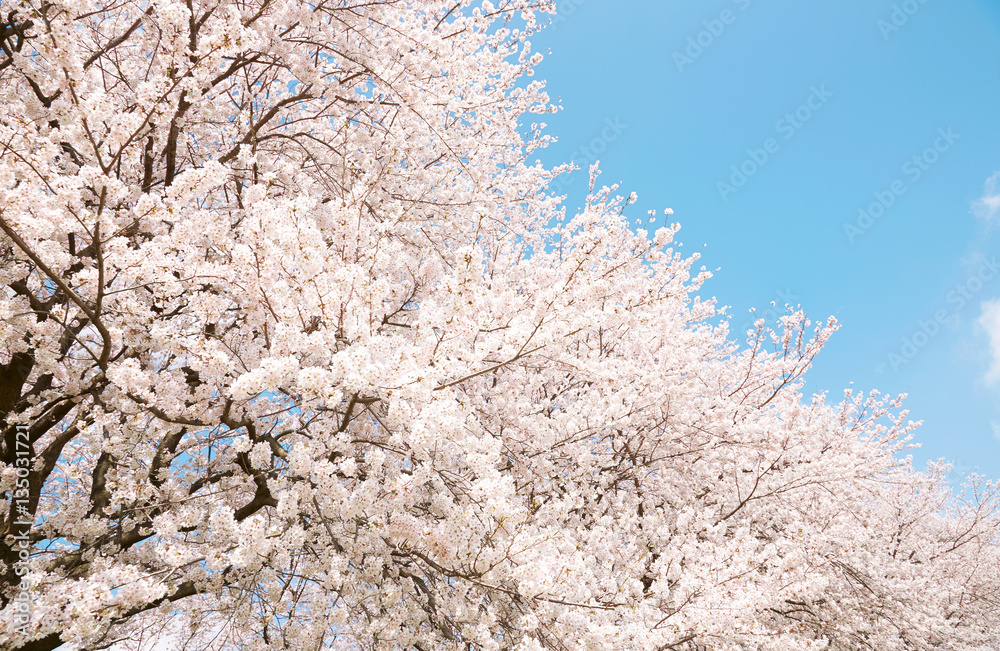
[853, 103]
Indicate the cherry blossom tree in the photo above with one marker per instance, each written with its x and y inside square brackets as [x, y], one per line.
[297, 351]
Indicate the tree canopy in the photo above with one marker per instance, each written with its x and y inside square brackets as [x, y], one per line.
[298, 351]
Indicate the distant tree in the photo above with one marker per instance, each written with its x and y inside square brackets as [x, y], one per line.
[298, 352]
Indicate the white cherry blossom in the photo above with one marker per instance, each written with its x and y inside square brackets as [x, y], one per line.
[309, 357]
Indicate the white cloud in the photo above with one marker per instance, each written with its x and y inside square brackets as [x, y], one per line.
[996, 429]
[990, 322]
[987, 207]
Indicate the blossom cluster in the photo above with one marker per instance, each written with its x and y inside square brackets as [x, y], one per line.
[310, 357]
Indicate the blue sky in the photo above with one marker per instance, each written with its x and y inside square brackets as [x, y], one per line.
[836, 156]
